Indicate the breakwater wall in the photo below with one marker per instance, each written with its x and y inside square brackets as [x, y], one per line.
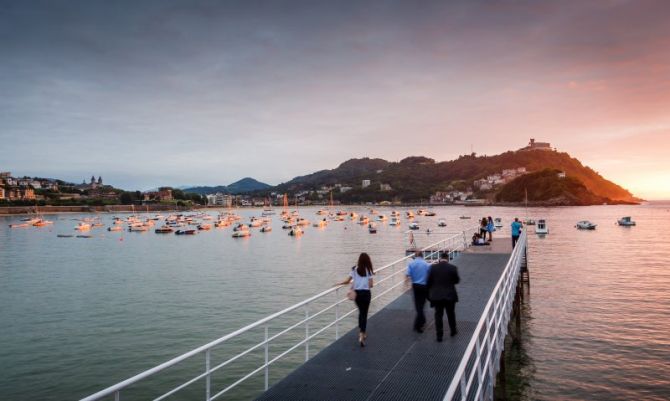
[12, 210]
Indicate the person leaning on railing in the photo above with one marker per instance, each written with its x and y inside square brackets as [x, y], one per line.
[361, 279]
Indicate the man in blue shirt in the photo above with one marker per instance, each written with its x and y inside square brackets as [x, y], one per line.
[516, 231]
[417, 273]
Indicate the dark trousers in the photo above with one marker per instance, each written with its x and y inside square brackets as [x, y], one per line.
[440, 308]
[420, 295]
[363, 298]
[514, 240]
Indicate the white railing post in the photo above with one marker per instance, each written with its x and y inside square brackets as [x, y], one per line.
[480, 379]
[208, 379]
[267, 354]
[306, 333]
[117, 396]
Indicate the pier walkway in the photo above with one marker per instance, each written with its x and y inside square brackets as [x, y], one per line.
[324, 359]
[398, 363]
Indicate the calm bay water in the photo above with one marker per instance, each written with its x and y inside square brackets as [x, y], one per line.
[81, 314]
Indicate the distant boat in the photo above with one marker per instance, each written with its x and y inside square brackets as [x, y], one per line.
[626, 221]
[186, 232]
[372, 228]
[64, 236]
[394, 221]
[22, 225]
[241, 227]
[585, 225]
[83, 227]
[296, 231]
[442, 223]
[164, 230]
[363, 220]
[464, 217]
[541, 227]
[321, 223]
[497, 222]
[241, 233]
[413, 226]
[382, 217]
[266, 229]
[115, 227]
[409, 214]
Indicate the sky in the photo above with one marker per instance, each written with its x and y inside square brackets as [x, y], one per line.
[152, 93]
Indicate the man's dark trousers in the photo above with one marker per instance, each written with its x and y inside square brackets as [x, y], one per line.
[514, 240]
[420, 295]
[440, 308]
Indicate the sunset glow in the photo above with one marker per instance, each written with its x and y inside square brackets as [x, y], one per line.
[172, 95]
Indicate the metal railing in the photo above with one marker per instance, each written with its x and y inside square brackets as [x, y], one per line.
[330, 315]
[475, 376]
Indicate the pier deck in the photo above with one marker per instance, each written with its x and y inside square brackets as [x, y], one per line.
[398, 363]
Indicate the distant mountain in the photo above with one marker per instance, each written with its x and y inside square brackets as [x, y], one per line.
[417, 178]
[242, 186]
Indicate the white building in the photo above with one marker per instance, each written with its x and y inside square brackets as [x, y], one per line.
[344, 189]
[384, 187]
[365, 183]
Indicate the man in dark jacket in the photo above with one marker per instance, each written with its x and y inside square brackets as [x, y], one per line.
[442, 294]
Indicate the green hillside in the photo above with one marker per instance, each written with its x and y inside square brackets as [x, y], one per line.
[547, 187]
[417, 178]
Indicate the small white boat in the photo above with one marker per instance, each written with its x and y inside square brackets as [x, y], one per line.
[382, 217]
[372, 228]
[541, 227]
[115, 227]
[409, 214]
[442, 223]
[296, 231]
[626, 221]
[138, 228]
[363, 220]
[322, 212]
[394, 221]
[241, 227]
[353, 215]
[421, 212]
[413, 226]
[266, 229]
[321, 223]
[497, 222]
[302, 222]
[83, 227]
[241, 233]
[585, 225]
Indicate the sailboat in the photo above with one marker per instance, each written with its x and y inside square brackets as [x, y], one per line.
[528, 221]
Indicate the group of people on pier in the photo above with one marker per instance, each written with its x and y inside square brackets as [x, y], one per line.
[435, 283]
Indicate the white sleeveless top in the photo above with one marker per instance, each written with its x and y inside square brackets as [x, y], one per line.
[360, 282]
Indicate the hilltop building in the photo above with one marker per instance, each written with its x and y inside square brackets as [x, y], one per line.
[365, 183]
[532, 145]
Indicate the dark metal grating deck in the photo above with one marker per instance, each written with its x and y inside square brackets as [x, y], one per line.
[397, 363]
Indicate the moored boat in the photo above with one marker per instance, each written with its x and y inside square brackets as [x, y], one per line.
[372, 228]
[626, 221]
[442, 223]
[242, 233]
[164, 230]
[413, 226]
[295, 231]
[585, 225]
[266, 229]
[186, 232]
[541, 227]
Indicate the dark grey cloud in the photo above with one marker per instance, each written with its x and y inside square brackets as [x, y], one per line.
[167, 92]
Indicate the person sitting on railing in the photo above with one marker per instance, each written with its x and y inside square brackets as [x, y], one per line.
[361, 275]
[442, 294]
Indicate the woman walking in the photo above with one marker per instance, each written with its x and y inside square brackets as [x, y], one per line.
[361, 275]
[490, 227]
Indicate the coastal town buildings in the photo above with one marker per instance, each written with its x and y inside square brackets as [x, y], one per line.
[2, 192]
[220, 199]
[365, 183]
[384, 187]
